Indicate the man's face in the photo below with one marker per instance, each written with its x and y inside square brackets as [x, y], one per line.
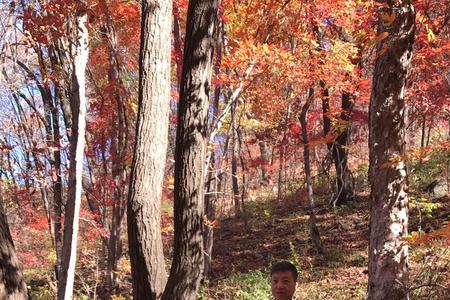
[283, 285]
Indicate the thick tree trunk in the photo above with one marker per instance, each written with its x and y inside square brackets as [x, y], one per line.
[147, 173]
[313, 230]
[388, 253]
[12, 285]
[71, 224]
[190, 151]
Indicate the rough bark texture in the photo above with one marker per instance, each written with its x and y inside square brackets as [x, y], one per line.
[388, 253]
[12, 285]
[190, 151]
[57, 165]
[313, 230]
[147, 173]
[79, 103]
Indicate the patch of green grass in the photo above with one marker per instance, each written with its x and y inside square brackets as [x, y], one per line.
[358, 260]
[41, 293]
[322, 291]
[253, 285]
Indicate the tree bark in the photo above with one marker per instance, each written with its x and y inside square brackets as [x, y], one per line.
[234, 163]
[12, 284]
[190, 151]
[338, 149]
[313, 230]
[147, 173]
[344, 177]
[388, 253]
[71, 224]
[212, 185]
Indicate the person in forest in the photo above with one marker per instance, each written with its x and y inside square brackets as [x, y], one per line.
[283, 277]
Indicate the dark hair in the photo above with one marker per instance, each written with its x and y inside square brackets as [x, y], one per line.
[283, 266]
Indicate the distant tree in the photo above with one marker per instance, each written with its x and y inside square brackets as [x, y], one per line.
[147, 174]
[190, 151]
[339, 148]
[388, 253]
[12, 284]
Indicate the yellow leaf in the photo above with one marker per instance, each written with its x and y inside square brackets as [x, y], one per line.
[430, 34]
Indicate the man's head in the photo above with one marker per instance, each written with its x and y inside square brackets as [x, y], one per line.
[283, 280]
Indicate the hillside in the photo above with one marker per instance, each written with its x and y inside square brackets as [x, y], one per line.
[278, 231]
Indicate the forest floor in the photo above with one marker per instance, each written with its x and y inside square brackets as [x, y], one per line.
[271, 230]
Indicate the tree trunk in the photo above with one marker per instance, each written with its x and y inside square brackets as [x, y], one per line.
[12, 285]
[281, 167]
[424, 133]
[388, 252]
[71, 224]
[147, 173]
[344, 177]
[190, 151]
[313, 230]
[338, 149]
[234, 161]
[119, 149]
[212, 186]
[208, 234]
[265, 156]
[56, 163]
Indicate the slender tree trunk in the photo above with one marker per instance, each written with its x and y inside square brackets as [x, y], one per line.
[282, 159]
[190, 151]
[388, 253]
[265, 156]
[280, 172]
[119, 152]
[71, 224]
[12, 284]
[424, 132]
[212, 186]
[344, 178]
[147, 173]
[208, 235]
[338, 149]
[234, 161]
[313, 230]
[56, 165]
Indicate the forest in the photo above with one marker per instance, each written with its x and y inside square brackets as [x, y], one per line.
[176, 150]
